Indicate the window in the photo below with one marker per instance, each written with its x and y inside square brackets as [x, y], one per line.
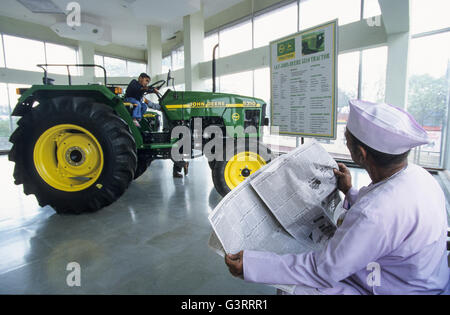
[178, 58]
[262, 85]
[57, 54]
[239, 83]
[428, 93]
[236, 39]
[208, 45]
[429, 15]
[2, 56]
[136, 68]
[314, 12]
[275, 24]
[371, 8]
[116, 67]
[348, 74]
[23, 54]
[374, 65]
[8, 100]
[166, 64]
[5, 119]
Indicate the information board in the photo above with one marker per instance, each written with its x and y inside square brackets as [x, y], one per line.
[303, 71]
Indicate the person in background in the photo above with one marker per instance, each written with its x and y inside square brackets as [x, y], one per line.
[180, 166]
[397, 225]
[135, 94]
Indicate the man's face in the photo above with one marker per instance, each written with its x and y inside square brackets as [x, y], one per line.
[144, 81]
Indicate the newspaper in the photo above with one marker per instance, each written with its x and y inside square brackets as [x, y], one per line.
[301, 190]
[288, 206]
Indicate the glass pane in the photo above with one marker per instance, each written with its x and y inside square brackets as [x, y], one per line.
[23, 54]
[98, 60]
[429, 15]
[136, 68]
[236, 39]
[180, 87]
[57, 54]
[314, 12]
[238, 83]
[428, 89]
[2, 57]
[276, 24]
[5, 121]
[178, 58]
[262, 86]
[166, 64]
[374, 65]
[208, 45]
[371, 8]
[115, 67]
[348, 73]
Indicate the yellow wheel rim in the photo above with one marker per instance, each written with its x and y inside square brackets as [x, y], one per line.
[241, 166]
[68, 158]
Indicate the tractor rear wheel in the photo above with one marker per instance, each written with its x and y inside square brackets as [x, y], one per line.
[247, 159]
[73, 154]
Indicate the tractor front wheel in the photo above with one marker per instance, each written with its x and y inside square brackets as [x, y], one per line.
[73, 154]
[247, 159]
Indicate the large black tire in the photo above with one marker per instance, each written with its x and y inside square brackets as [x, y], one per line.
[219, 175]
[111, 133]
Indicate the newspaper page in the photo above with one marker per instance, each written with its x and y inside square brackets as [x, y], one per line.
[242, 221]
[301, 192]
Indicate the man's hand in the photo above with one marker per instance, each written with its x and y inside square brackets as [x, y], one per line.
[235, 264]
[344, 178]
[155, 91]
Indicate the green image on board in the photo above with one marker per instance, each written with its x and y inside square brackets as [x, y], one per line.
[286, 50]
[313, 43]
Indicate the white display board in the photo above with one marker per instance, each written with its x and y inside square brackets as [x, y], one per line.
[303, 71]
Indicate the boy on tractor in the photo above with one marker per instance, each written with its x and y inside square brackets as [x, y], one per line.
[135, 94]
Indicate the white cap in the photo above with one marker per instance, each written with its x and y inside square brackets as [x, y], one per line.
[385, 128]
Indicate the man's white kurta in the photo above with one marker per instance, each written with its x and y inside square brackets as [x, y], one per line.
[400, 224]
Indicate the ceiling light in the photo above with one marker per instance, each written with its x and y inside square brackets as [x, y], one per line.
[41, 6]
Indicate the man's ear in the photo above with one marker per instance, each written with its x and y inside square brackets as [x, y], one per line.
[362, 155]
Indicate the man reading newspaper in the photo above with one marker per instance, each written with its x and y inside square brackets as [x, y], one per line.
[393, 237]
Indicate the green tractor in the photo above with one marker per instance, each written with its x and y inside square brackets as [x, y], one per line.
[77, 149]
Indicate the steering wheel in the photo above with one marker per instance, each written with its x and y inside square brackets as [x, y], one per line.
[157, 85]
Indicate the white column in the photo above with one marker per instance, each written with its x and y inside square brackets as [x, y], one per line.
[154, 50]
[194, 33]
[86, 56]
[397, 69]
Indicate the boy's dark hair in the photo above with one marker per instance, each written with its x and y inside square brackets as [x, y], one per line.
[144, 76]
[381, 159]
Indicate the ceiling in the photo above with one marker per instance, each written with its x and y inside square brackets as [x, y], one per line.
[127, 19]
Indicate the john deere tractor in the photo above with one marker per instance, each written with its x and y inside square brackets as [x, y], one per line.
[77, 149]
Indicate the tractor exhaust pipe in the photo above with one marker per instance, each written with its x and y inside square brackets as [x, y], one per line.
[214, 68]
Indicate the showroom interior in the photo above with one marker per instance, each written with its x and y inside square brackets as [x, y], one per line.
[154, 238]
